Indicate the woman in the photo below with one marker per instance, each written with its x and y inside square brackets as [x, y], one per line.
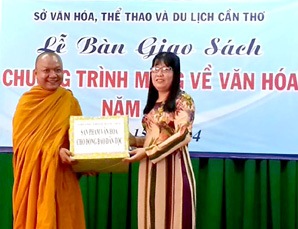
[166, 195]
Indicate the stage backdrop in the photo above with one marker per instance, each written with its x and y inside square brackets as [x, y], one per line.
[239, 63]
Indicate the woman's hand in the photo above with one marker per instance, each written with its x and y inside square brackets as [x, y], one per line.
[136, 155]
[65, 156]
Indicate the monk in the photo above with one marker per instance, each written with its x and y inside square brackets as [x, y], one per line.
[46, 192]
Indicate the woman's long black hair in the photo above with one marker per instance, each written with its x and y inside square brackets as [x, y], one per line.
[170, 60]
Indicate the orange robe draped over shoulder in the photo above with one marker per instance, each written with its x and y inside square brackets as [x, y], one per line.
[46, 193]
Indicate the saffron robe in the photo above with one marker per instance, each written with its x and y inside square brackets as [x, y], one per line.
[46, 193]
[166, 188]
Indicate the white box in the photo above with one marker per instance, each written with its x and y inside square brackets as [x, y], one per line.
[99, 143]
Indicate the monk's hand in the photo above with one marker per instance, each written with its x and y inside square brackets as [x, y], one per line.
[65, 156]
[136, 155]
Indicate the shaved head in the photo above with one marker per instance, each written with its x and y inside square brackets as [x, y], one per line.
[40, 56]
[49, 70]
